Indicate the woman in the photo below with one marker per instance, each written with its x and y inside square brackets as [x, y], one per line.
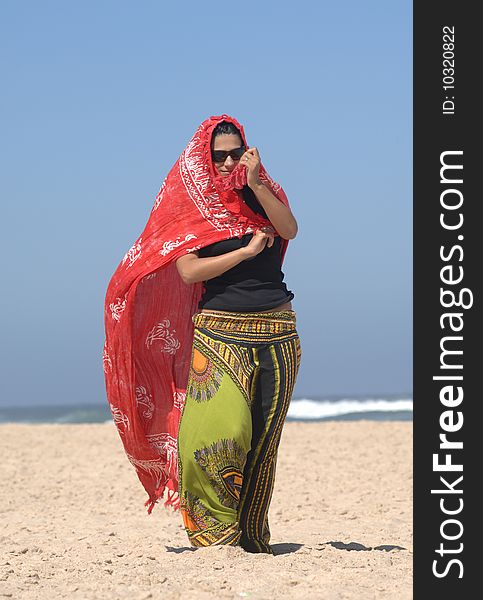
[244, 364]
[199, 322]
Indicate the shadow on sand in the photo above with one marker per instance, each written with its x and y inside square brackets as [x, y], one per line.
[289, 547]
[182, 549]
[360, 547]
[277, 548]
[285, 548]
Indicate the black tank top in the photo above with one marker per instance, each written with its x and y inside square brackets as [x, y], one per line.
[255, 283]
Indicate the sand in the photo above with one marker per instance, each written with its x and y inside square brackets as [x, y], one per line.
[73, 522]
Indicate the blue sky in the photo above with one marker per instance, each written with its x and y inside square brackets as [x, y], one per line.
[98, 101]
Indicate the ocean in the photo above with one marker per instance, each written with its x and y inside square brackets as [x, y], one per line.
[374, 408]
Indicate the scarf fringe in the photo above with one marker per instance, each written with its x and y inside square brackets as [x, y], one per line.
[171, 500]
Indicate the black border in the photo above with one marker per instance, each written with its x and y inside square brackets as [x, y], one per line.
[434, 133]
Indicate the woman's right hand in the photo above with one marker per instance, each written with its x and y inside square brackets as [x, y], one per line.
[194, 269]
[261, 238]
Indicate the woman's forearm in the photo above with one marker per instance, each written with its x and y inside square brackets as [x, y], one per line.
[194, 269]
[279, 215]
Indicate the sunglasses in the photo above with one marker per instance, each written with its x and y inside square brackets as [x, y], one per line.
[219, 156]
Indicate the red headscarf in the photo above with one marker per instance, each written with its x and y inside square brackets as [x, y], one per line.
[148, 308]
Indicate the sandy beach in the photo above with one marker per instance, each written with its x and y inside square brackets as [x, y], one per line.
[74, 525]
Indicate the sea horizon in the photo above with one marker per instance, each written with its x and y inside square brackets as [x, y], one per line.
[374, 407]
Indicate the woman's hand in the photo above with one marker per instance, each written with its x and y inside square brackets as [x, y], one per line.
[280, 216]
[251, 159]
[261, 238]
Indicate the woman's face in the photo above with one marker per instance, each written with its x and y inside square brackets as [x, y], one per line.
[226, 141]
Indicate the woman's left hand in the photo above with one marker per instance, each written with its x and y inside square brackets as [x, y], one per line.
[251, 159]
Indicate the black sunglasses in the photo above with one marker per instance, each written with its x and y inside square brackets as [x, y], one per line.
[219, 156]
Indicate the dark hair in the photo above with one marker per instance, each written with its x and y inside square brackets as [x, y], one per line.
[225, 127]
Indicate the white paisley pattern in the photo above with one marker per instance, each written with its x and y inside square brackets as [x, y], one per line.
[117, 308]
[276, 186]
[133, 253]
[120, 419]
[161, 332]
[179, 399]
[167, 446]
[193, 249]
[171, 245]
[144, 399]
[106, 359]
[147, 277]
[193, 161]
[153, 467]
[159, 196]
[196, 178]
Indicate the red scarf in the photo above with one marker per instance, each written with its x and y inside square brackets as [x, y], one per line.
[148, 308]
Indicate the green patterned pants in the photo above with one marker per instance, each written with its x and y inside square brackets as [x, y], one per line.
[242, 373]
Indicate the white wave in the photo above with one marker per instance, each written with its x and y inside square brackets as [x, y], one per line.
[311, 409]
